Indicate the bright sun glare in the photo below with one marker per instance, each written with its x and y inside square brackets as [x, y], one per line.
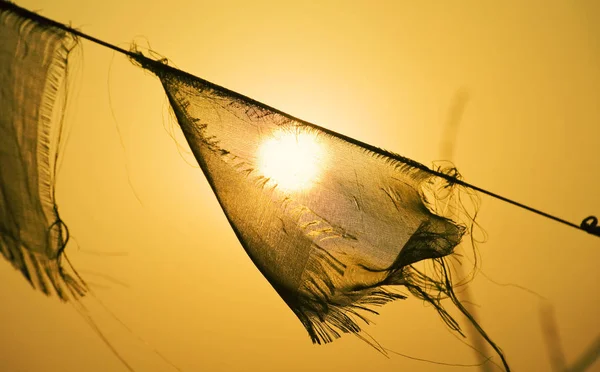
[292, 160]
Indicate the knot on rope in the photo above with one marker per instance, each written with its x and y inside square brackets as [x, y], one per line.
[590, 225]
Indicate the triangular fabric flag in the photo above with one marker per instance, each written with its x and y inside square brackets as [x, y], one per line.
[332, 223]
[33, 70]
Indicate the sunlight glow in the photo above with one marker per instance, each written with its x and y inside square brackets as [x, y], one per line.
[291, 159]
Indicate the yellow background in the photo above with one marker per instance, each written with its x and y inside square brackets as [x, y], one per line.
[382, 72]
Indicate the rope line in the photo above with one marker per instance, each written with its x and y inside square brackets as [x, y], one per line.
[589, 224]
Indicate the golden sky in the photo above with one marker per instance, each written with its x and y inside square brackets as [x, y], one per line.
[384, 72]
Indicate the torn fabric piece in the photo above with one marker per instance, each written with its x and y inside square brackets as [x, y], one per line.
[33, 69]
[331, 222]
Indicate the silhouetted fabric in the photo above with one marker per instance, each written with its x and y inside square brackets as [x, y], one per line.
[331, 222]
[335, 225]
[33, 66]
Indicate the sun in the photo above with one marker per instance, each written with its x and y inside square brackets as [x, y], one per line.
[292, 159]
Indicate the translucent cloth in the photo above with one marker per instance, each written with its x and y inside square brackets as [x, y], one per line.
[33, 68]
[328, 220]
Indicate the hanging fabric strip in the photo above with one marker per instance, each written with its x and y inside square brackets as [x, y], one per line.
[33, 69]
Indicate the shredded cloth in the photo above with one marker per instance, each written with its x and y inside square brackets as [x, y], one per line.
[33, 66]
[332, 223]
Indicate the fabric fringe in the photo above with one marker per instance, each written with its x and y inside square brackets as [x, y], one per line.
[44, 270]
